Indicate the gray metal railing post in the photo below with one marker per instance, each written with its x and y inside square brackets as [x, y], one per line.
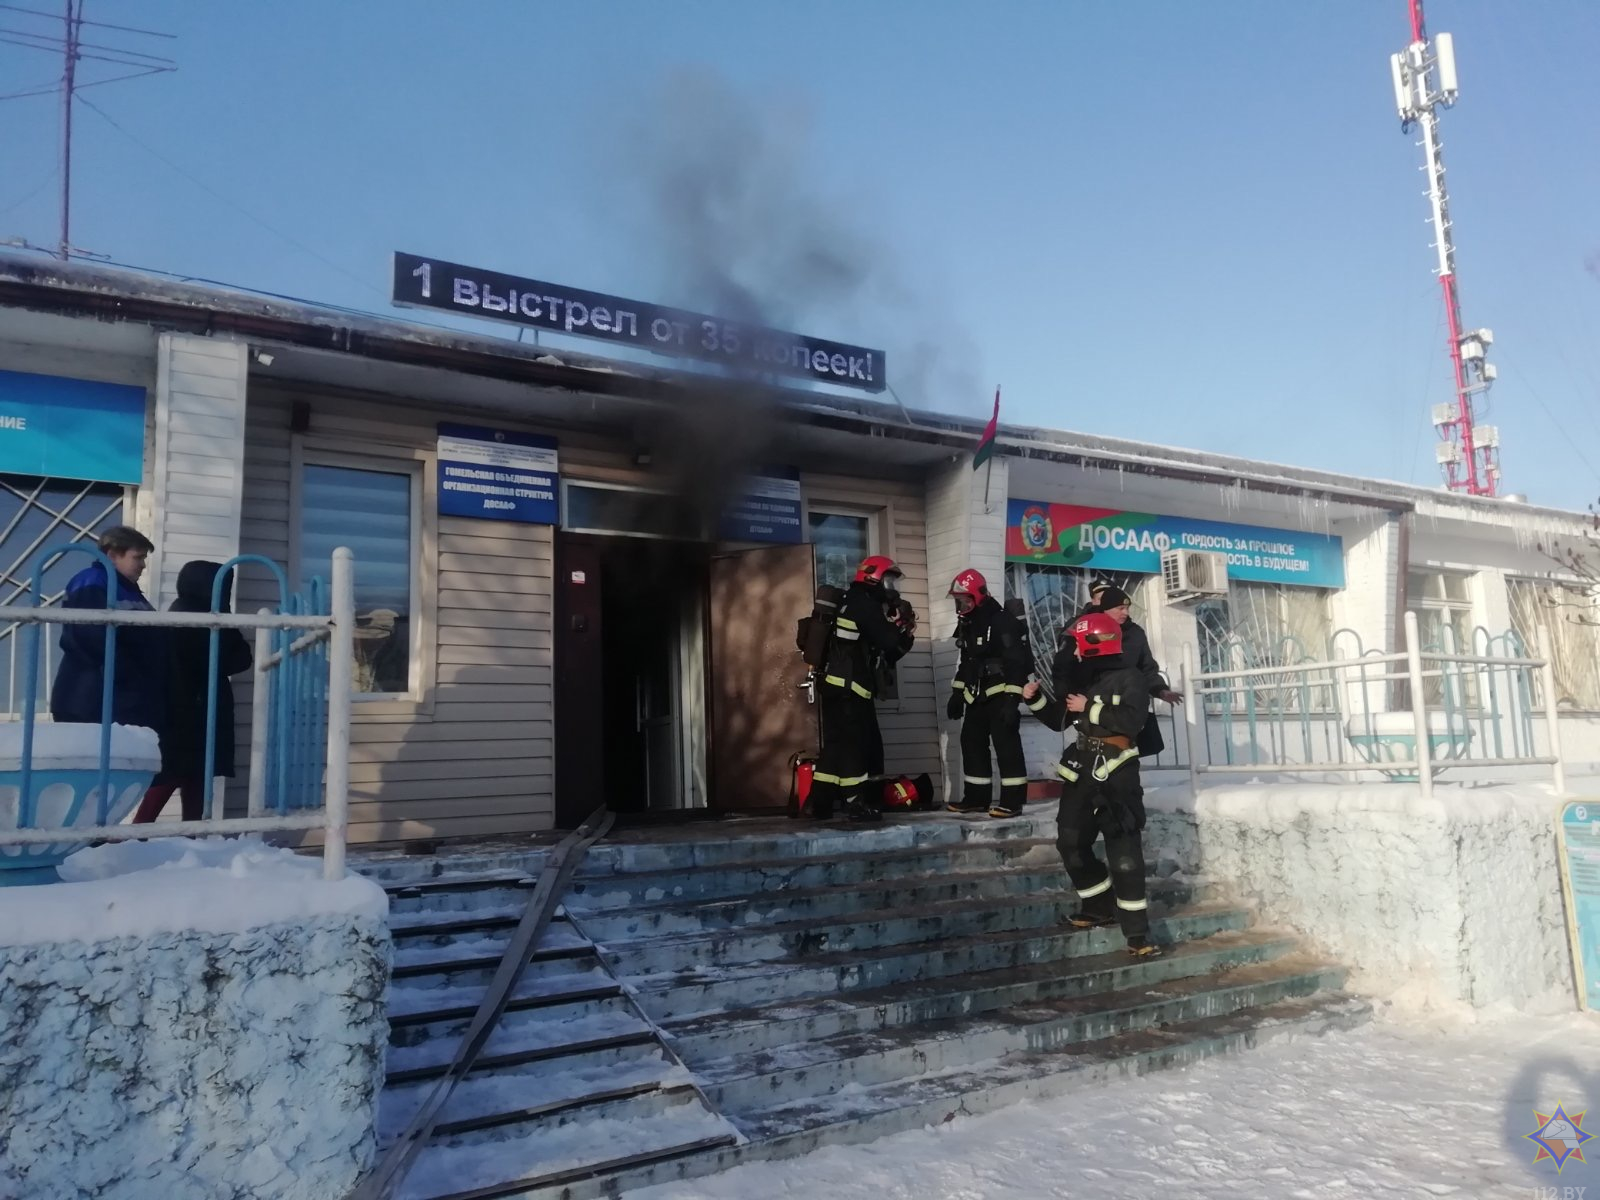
[1552, 711]
[260, 719]
[1194, 717]
[341, 681]
[1419, 707]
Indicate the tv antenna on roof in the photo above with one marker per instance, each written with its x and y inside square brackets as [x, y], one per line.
[69, 43]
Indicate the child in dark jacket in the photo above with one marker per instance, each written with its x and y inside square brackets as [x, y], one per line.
[189, 686]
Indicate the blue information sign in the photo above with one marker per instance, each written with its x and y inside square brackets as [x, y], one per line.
[768, 511]
[1580, 873]
[498, 475]
[71, 428]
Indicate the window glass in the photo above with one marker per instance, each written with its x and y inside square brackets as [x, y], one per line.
[1054, 595]
[1569, 614]
[1267, 625]
[370, 512]
[1443, 606]
[841, 541]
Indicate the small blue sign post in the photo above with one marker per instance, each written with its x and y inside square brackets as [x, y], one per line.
[498, 475]
[1579, 846]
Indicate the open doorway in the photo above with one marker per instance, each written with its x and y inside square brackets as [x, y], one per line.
[630, 618]
[676, 677]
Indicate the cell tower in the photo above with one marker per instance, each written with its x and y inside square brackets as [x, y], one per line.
[1424, 82]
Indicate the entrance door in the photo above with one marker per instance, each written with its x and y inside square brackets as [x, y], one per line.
[625, 730]
[759, 715]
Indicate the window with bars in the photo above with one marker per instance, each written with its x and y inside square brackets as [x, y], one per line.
[1266, 625]
[37, 515]
[1569, 612]
[1442, 601]
[1054, 595]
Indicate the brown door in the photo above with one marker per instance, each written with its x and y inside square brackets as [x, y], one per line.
[579, 662]
[759, 714]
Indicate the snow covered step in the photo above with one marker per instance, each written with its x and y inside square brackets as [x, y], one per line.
[836, 900]
[450, 921]
[712, 989]
[864, 1114]
[459, 894]
[591, 893]
[566, 1150]
[440, 994]
[896, 924]
[480, 939]
[748, 1082]
[421, 1024]
[401, 868]
[1100, 968]
[721, 845]
[527, 1033]
[858, 1113]
[487, 1093]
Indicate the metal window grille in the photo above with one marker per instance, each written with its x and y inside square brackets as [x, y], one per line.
[38, 515]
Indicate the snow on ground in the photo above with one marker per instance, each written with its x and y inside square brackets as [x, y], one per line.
[169, 885]
[1389, 1110]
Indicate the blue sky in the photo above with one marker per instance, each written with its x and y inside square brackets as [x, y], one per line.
[1191, 223]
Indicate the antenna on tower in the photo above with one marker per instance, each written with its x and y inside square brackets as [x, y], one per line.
[1424, 82]
[69, 44]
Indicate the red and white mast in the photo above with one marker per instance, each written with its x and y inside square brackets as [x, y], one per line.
[1424, 82]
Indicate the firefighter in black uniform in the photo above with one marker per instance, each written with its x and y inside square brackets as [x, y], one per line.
[1106, 700]
[1108, 598]
[995, 664]
[873, 630]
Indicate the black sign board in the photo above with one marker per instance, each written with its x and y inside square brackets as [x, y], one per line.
[451, 287]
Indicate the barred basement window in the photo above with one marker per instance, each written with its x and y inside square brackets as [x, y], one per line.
[1569, 612]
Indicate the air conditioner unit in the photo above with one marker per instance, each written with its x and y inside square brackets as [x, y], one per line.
[1192, 574]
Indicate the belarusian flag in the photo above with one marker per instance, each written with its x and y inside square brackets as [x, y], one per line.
[985, 449]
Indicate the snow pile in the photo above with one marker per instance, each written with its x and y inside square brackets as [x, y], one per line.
[1387, 1110]
[1454, 900]
[169, 885]
[65, 747]
[193, 1019]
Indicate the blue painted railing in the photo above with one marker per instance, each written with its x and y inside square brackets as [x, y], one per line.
[302, 682]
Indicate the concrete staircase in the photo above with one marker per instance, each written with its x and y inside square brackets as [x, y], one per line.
[712, 998]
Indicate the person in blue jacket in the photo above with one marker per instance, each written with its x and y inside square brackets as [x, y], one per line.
[139, 679]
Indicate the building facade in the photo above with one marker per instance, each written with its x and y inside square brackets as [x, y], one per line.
[544, 629]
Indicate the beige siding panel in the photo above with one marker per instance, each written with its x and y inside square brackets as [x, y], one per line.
[476, 757]
[529, 586]
[496, 768]
[419, 798]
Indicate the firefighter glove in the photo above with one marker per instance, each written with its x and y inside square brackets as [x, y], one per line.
[957, 706]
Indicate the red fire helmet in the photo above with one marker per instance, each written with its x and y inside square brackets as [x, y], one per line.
[875, 568]
[969, 583]
[1097, 635]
